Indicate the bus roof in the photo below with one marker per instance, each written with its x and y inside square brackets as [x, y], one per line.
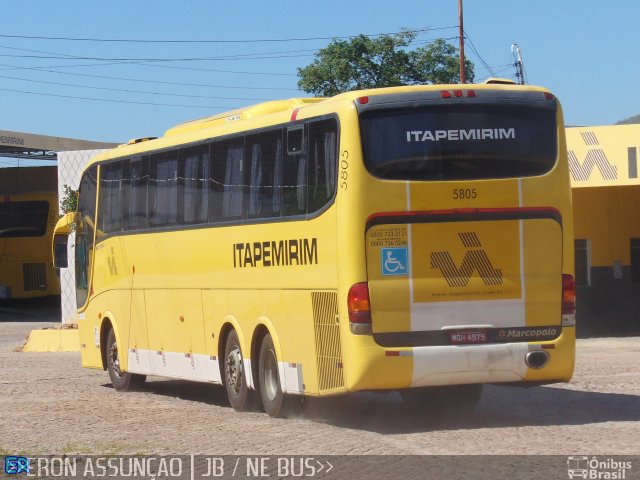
[191, 128]
[253, 111]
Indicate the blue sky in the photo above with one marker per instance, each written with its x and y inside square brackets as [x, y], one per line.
[584, 51]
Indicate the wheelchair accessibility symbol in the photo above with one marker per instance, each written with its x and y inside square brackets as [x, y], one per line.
[394, 261]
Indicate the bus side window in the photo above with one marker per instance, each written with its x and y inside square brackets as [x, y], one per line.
[322, 163]
[229, 161]
[138, 198]
[163, 189]
[265, 179]
[295, 173]
[84, 234]
[278, 165]
[111, 181]
[193, 198]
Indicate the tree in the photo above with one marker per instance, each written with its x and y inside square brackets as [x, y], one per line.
[69, 202]
[385, 61]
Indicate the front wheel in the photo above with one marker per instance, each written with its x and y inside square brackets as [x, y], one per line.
[275, 402]
[121, 381]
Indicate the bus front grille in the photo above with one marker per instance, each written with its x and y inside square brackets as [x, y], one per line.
[34, 276]
[328, 347]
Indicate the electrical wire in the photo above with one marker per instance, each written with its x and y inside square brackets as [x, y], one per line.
[75, 85]
[232, 41]
[473, 47]
[117, 101]
[160, 82]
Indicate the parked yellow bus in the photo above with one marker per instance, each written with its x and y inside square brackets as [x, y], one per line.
[416, 239]
[28, 214]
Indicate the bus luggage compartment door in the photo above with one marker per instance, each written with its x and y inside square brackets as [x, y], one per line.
[442, 279]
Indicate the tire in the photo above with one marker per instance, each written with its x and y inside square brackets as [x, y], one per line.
[241, 397]
[121, 381]
[450, 400]
[275, 402]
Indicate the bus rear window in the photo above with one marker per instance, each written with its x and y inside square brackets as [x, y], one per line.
[23, 219]
[460, 142]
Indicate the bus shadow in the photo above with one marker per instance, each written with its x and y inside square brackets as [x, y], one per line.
[498, 407]
[386, 413]
[186, 390]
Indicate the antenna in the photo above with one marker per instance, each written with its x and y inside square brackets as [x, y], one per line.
[519, 64]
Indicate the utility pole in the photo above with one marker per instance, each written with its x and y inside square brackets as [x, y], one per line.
[463, 78]
[519, 64]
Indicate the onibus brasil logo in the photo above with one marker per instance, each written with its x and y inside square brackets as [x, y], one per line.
[475, 259]
[595, 468]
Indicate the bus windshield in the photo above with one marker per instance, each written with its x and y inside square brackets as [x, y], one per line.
[460, 141]
[23, 219]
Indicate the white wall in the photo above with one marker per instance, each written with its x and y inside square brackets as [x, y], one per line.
[70, 165]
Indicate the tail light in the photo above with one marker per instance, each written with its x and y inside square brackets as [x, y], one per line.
[568, 295]
[358, 304]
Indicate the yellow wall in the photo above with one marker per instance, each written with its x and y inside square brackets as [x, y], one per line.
[608, 217]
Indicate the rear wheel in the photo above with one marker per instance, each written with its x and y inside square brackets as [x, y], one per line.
[241, 397]
[121, 381]
[452, 399]
[275, 402]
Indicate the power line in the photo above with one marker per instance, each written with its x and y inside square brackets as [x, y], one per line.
[116, 101]
[14, 67]
[161, 82]
[473, 47]
[250, 56]
[242, 41]
[75, 85]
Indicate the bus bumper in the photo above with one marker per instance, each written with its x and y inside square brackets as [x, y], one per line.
[380, 368]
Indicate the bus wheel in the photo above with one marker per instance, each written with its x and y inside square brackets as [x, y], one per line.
[240, 396]
[121, 381]
[275, 402]
[451, 400]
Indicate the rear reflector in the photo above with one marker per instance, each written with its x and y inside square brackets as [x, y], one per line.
[568, 295]
[358, 303]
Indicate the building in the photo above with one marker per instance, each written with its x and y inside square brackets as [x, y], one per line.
[606, 205]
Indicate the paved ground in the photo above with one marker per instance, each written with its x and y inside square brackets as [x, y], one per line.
[49, 404]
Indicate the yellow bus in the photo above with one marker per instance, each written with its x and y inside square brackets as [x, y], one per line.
[28, 214]
[416, 239]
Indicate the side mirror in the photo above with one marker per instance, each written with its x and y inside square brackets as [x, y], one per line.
[65, 225]
[60, 259]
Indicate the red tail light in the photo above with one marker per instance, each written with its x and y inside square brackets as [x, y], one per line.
[568, 295]
[358, 303]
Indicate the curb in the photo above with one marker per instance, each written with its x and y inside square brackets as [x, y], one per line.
[66, 340]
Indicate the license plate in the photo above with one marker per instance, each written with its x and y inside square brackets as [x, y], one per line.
[466, 337]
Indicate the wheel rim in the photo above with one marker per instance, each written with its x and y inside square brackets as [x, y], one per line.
[113, 359]
[271, 375]
[234, 370]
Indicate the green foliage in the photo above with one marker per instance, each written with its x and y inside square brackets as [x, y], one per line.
[69, 202]
[385, 61]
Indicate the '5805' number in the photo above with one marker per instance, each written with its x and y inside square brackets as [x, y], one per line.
[464, 193]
